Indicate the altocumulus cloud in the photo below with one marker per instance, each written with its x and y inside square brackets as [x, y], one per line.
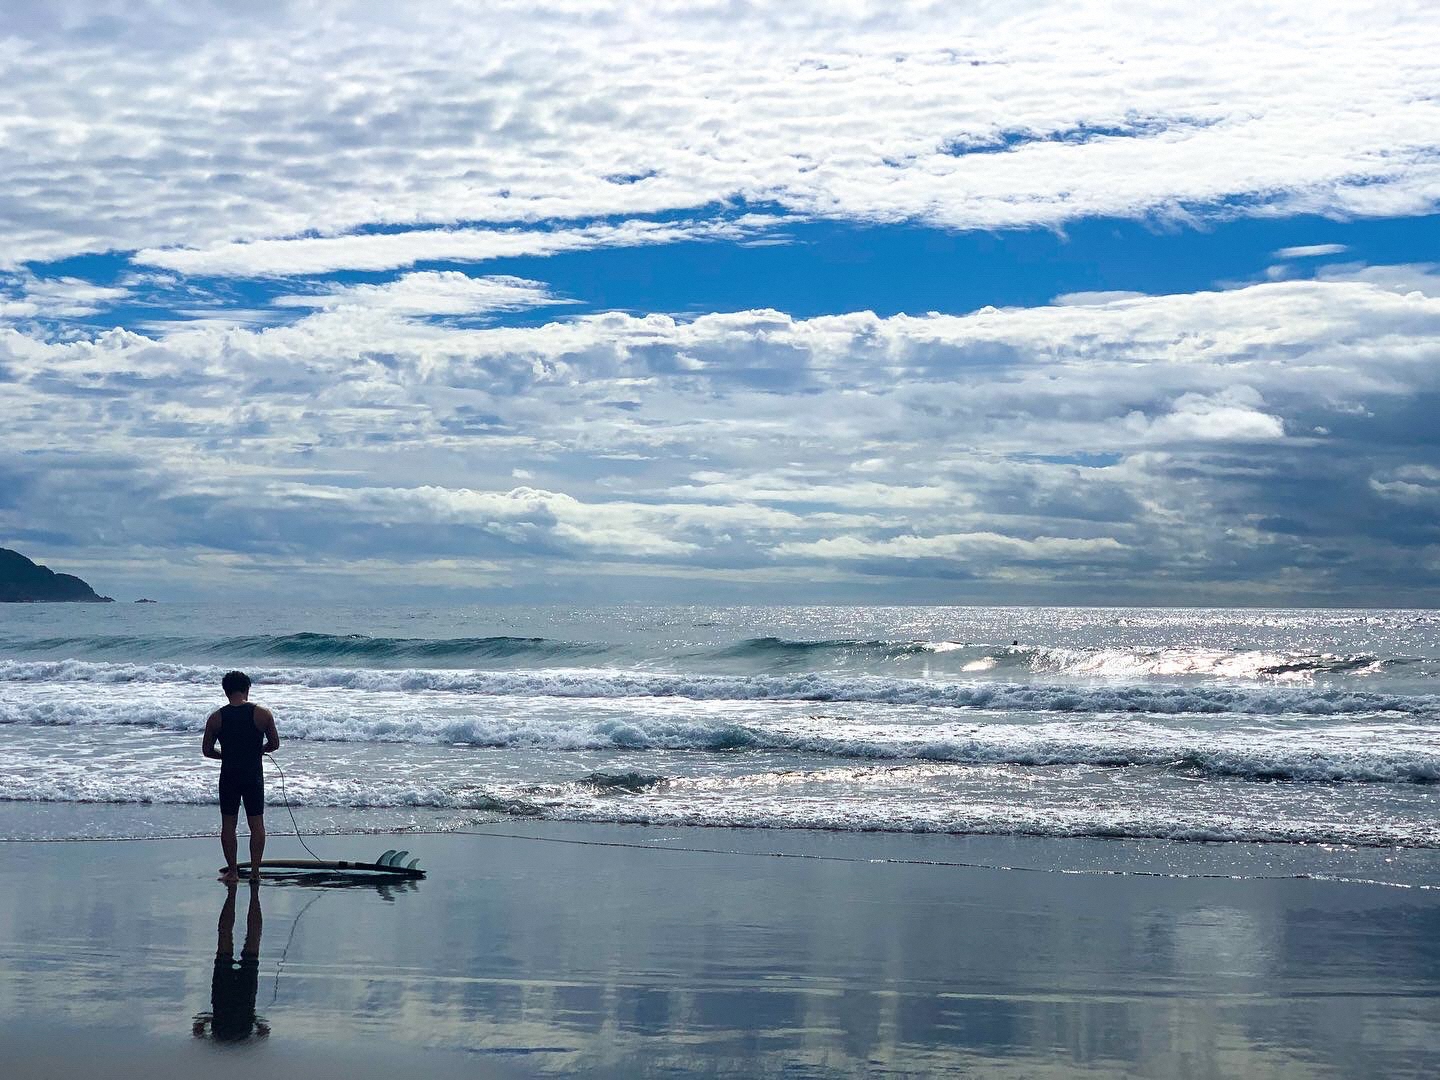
[201, 125]
[1003, 449]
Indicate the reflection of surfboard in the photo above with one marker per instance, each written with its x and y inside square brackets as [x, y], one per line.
[388, 864]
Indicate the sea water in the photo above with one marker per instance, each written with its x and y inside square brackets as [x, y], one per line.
[1291, 726]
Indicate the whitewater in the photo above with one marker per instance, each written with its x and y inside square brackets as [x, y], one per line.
[1297, 726]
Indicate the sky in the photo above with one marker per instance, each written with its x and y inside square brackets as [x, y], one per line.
[724, 302]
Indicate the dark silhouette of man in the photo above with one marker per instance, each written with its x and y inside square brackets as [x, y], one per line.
[235, 983]
[245, 732]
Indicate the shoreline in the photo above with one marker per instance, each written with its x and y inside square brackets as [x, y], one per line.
[40, 822]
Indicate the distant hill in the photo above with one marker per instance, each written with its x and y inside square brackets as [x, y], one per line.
[22, 581]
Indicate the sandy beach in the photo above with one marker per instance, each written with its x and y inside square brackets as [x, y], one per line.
[543, 948]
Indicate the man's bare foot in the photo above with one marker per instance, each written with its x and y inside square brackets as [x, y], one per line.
[230, 876]
[255, 876]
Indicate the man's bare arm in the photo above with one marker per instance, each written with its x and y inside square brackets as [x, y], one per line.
[212, 732]
[267, 725]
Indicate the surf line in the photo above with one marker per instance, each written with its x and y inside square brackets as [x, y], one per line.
[284, 795]
[1090, 872]
[939, 863]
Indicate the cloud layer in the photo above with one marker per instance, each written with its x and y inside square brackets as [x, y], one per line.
[1270, 440]
[196, 126]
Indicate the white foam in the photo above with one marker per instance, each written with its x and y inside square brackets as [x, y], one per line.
[776, 790]
[1009, 821]
[1191, 662]
[922, 798]
[599, 683]
[1394, 749]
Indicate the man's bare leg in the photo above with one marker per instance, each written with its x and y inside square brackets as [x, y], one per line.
[228, 845]
[257, 844]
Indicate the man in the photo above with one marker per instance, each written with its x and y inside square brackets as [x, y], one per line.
[245, 732]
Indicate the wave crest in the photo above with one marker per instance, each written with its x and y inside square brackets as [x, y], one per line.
[608, 683]
[758, 655]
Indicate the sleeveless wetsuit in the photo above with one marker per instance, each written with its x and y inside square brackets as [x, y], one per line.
[241, 749]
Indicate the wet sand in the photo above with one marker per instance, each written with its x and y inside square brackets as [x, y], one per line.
[623, 951]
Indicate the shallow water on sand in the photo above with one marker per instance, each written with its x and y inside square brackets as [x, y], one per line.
[626, 951]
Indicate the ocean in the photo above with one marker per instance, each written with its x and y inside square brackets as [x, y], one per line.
[1300, 727]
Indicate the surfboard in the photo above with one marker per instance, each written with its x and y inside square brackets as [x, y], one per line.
[388, 864]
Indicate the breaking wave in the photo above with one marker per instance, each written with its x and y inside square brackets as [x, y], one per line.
[317, 648]
[757, 655]
[1390, 752]
[602, 683]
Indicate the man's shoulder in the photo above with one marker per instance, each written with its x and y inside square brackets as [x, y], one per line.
[262, 713]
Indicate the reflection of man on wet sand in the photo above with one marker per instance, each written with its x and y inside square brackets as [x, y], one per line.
[235, 983]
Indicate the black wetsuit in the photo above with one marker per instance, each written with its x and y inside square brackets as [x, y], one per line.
[233, 988]
[242, 776]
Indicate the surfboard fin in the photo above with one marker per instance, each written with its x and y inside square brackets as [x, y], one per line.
[384, 860]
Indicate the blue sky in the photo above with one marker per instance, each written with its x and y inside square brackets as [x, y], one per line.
[828, 267]
[890, 303]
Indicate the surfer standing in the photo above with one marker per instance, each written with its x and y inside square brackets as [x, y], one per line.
[245, 732]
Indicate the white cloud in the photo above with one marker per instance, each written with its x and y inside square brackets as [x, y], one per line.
[1420, 278]
[180, 127]
[1310, 251]
[956, 545]
[18, 309]
[1230, 416]
[819, 488]
[431, 293]
[1413, 485]
[55, 297]
[386, 251]
[1094, 298]
[526, 515]
[521, 515]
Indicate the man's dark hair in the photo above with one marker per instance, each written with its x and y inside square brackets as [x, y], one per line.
[235, 682]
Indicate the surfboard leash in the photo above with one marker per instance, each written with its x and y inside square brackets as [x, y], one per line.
[285, 795]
